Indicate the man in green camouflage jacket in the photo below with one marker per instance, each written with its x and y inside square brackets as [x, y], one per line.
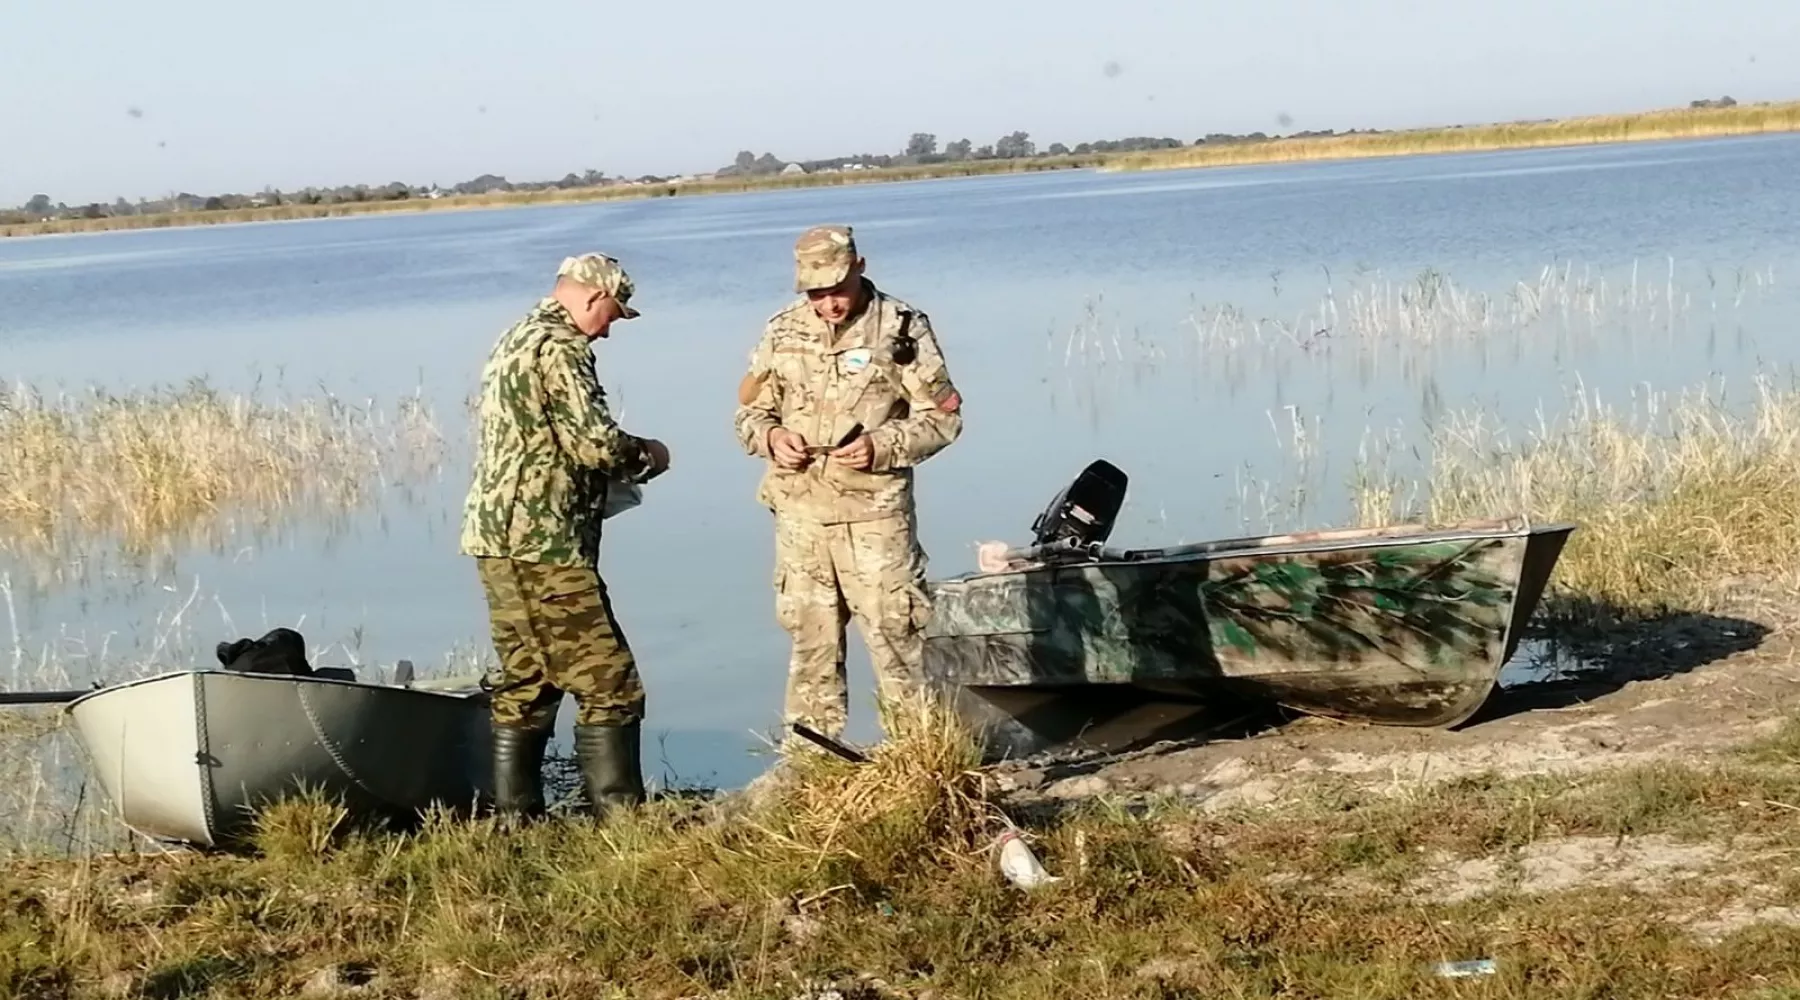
[847, 392]
[548, 447]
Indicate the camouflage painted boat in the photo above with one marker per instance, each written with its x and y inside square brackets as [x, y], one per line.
[1401, 625]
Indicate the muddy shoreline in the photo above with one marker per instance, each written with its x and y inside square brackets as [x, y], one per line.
[1685, 687]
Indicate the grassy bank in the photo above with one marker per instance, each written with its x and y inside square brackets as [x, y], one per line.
[1678, 123]
[1660, 124]
[147, 467]
[879, 880]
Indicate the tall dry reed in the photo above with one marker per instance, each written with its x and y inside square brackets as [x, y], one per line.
[145, 467]
[1679, 498]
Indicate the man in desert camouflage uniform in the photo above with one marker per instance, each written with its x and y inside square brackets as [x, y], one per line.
[548, 447]
[847, 392]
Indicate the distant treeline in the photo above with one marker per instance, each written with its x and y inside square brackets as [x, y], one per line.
[919, 157]
[41, 208]
[920, 150]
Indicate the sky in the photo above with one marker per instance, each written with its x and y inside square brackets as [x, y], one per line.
[104, 98]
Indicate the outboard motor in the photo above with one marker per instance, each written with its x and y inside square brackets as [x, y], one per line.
[1084, 513]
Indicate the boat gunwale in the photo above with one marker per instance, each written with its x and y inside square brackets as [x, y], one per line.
[196, 672]
[1298, 547]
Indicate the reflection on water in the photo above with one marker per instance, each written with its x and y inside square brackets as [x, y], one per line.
[1237, 340]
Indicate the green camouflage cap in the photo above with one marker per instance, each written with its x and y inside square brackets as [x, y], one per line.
[823, 256]
[597, 270]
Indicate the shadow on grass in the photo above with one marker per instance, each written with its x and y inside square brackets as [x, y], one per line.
[1129, 721]
[1583, 649]
[191, 977]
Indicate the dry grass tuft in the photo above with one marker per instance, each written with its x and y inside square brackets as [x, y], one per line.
[920, 794]
[147, 467]
[1676, 501]
[299, 828]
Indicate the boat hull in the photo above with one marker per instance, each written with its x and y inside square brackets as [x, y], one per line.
[189, 756]
[1398, 626]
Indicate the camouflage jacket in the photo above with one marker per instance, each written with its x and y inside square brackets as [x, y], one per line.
[546, 446]
[802, 381]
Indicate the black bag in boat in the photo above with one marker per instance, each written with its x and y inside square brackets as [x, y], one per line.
[279, 651]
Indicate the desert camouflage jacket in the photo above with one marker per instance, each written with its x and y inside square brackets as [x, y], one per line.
[546, 445]
[885, 371]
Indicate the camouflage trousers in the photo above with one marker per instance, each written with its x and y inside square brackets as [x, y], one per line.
[825, 574]
[554, 631]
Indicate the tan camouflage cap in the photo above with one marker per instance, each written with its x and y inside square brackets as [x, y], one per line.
[597, 270]
[823, 256]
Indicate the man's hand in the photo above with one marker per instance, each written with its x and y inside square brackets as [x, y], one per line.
[858, 454]
[659, 457]
[787, 448]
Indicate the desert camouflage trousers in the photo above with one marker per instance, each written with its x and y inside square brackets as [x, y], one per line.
[825, 574]
[554, 631]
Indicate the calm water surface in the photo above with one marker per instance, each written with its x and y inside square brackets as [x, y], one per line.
[1173, 323]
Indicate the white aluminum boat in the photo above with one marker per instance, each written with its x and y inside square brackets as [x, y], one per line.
[187, 756]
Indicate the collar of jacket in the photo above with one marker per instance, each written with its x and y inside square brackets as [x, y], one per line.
[557, 317]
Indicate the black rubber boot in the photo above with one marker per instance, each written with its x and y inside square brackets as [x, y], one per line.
[518, 768]
[611, 769]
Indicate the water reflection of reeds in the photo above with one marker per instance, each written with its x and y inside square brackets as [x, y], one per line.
[1377, 341]
[1376, 324]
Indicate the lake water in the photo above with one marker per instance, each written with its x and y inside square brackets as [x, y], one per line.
[1171, 323]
